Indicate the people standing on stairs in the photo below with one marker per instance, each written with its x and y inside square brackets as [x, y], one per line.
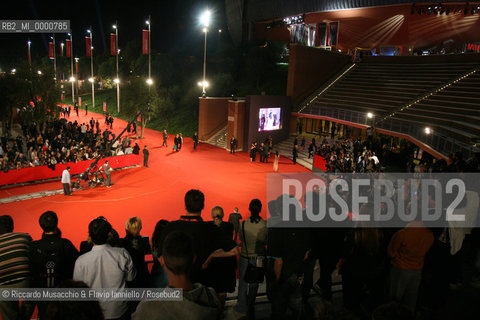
[295, 154]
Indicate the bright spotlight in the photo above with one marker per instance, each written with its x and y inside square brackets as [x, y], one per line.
[39, 72]
[72, 79]
[205, 18]
[116, 80]
[428, 130]
[114, 27]
[147, 22]
[14, 70]
[203, 83]
[91, 80]
[370, 115]
[149, 82]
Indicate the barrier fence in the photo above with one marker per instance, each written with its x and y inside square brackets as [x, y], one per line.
[44, 172]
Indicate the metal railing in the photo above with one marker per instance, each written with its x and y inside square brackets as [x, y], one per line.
[435, 140]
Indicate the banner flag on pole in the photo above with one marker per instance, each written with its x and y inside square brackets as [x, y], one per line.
[51, 50]
[68, 48]
[80, 101]
[145, 44]
[104, 106]
[88, 46]
[113, 44]
[76, 65]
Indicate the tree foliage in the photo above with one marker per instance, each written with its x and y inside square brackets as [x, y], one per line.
[34, 95]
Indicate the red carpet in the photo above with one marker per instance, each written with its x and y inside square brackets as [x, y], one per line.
[152, 193]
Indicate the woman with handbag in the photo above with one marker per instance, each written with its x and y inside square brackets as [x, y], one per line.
[253, 235]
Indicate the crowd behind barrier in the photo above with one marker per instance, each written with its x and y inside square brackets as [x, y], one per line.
[44, 172]
[59, 143]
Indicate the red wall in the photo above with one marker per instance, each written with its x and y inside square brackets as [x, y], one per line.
[309, 68]
[236, 122]
[44, 172]
[212, 116]
[392, 25]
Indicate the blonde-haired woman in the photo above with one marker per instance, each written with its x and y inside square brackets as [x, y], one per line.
[138, 247]
[223, 270]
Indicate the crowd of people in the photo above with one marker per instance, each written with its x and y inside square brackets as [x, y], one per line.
[386, 273]
[61, 141]
[264, 149]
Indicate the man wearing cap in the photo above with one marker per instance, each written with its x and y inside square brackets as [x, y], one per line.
[66, 182]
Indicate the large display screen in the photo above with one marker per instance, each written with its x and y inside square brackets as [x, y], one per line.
[269, 119]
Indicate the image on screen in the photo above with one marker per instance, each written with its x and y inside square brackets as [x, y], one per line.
[269, 119]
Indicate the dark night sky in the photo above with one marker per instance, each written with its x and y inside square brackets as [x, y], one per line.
[175, 23]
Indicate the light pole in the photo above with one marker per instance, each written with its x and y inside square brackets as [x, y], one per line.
[54, 57]
[72, 78]
[117, 80]
[92, 80]
[149, 80]
[29, 56]
[205, 20]
[76, 74]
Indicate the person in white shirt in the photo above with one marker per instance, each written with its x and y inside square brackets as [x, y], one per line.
[107, 170]
[66, 182]
[129, 150]
[105, 267]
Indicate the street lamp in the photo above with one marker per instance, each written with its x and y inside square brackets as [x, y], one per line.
[76, 73]
[117, 81]
[39, 72]
[203, 84]
[72, 78]
[54, 57]
[89, 31]
[29, 56]
[205, 21]
[149, 81]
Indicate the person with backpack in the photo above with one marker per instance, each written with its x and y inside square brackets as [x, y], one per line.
[52, 258]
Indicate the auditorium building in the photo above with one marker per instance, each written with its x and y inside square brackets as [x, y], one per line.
[406, 69]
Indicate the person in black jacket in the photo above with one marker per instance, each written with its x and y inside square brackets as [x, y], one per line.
[137, 246]
[295, 154]
[145, 156]
[195, 141]
[52, 258]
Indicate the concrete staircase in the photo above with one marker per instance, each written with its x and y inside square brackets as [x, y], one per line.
[285, 148]
[219, 139]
